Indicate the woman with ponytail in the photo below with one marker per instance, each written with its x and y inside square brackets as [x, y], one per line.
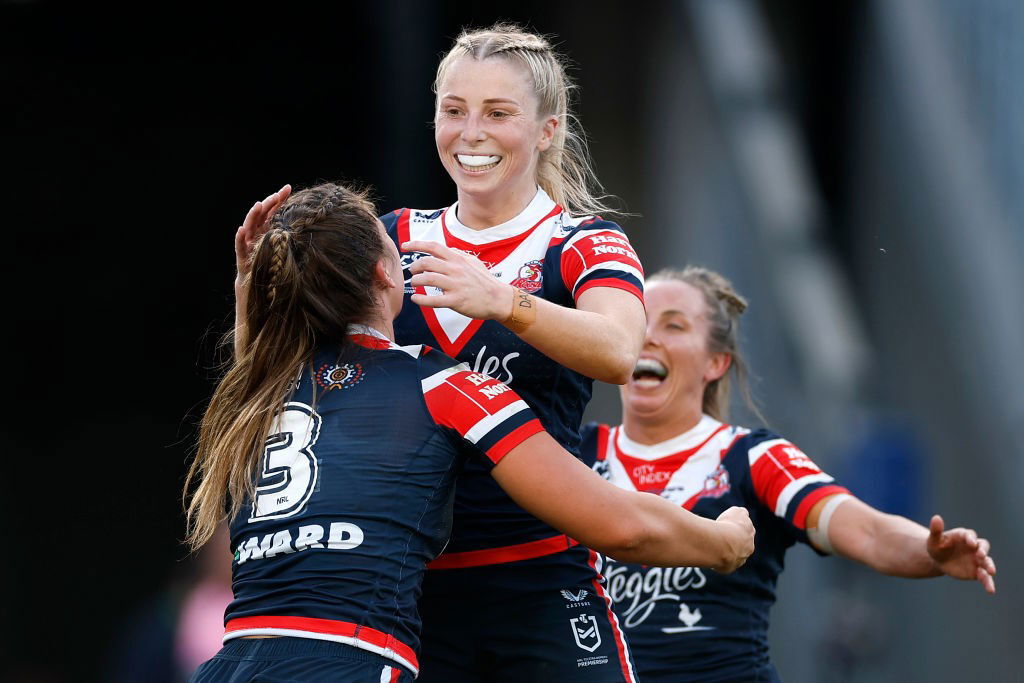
[333, 454]
[522, 279]
[687, 624]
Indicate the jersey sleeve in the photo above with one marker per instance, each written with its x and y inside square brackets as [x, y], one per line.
[482, 411]
[786, 481]
[598, 254]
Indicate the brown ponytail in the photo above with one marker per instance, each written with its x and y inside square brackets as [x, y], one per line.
[311, 276]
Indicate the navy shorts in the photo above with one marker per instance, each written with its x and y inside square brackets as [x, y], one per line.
[274, 660]
[545, 619]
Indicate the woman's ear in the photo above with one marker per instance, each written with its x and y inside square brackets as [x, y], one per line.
[718, 365]
[547, 133]
[382, 276]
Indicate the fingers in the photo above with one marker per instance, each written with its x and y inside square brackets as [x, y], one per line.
[987, 581]
[430, 263]
[936, 528]
[439, 280]
[432, 248]
[442, 301]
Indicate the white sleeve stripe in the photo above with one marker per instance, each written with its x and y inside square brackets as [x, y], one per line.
[484, 426]
[794, 487]
[609, 265]
[439, 378]
[760, 449]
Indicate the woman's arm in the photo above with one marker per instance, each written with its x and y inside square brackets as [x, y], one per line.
[252, 228]
[896, 546]
[541, 477]
[600, 338]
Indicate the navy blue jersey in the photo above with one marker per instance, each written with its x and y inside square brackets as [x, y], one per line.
[553, 256]
[353, 497]
[689, 623]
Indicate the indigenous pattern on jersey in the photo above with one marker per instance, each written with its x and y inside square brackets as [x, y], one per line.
[691, 624]
[555, 257]
[354, 493]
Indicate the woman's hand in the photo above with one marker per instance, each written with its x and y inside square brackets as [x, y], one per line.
[256, 223]
[959, 553]
[468, 287]
[738, 531]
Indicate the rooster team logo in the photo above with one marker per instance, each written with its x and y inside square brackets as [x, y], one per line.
[584, 630]
[530, 276]
[717, 483]
[339, 376]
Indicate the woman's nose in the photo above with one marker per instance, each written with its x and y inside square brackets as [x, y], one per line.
[472, 131]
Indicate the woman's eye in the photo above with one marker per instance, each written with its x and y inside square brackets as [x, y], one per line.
[451, 111]
[499, 114]
[675, 326]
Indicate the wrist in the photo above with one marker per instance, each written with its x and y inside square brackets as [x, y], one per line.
[522, 312]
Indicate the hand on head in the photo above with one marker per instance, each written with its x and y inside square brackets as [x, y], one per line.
[256, 223]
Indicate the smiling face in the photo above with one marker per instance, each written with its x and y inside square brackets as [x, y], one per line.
[489, 133]
[675, 364]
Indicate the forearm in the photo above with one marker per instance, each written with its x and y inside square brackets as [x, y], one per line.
[670, 536]
[239, 316]
[889, 544]
[601, 344]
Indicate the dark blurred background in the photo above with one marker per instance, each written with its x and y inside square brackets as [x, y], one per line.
[855, 167]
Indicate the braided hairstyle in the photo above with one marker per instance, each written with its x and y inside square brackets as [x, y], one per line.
[311, 275]
[564, 170]
[723, 308]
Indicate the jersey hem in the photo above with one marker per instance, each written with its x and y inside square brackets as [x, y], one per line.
[344, 632]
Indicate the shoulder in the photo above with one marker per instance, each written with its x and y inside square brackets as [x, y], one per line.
[398, 221]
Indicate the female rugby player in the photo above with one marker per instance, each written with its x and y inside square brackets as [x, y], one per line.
[335, 452]
[520, 279]
[693, 625]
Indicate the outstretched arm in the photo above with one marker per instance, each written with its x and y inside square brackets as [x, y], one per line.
[600, 338]
[548, 482]
[896, 546]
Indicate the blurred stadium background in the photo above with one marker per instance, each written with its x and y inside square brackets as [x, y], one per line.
[855, 167]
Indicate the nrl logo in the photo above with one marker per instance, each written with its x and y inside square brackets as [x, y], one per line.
[574, 597]
[584, 631]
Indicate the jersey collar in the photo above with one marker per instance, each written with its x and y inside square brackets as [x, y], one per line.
[539, 207]
[696, 436]
[364, 335]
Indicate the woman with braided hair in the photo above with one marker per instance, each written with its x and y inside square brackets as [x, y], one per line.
[334, 452]
[687, 624]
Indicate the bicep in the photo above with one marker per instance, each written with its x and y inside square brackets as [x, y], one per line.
[852, 527]
[622, 309]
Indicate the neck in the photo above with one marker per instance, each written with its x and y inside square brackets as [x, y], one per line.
[481, 212]
[649, 430]
[381, 323]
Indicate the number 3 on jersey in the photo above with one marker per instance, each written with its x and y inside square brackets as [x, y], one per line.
[288, 470]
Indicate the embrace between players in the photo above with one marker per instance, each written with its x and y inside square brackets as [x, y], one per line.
[397, 447]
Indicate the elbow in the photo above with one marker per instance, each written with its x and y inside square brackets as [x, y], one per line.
[621, 540]
[619, 367]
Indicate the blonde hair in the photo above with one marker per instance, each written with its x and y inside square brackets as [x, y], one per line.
[724, 306]
[564, 170]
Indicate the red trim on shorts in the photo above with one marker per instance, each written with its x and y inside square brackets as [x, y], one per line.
[802, 510]
[329, 627]
[508, 553]
[613, 621]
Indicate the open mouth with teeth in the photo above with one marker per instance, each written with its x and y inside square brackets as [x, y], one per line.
[649, 373]
[477, 163]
